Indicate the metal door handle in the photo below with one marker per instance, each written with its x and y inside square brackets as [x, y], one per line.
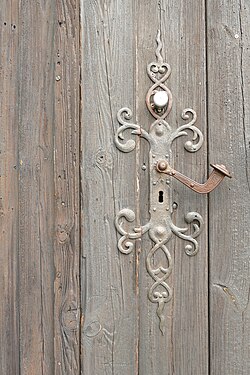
[215, 178]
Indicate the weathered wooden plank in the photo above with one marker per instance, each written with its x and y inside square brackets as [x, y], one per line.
[66, 177]
[109, 289]
[229, 207]
[184, 346]
[9, 337]
[36, 79]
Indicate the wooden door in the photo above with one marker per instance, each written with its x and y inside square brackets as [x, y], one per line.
[71, 302]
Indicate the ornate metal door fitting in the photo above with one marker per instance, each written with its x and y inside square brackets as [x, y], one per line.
[160, 137]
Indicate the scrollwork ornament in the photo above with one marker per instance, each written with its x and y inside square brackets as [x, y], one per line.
[160, 292]
[190, 146]
[198, 223]
[126, 242]
[160, 226]
[158, 72]
[123, 115]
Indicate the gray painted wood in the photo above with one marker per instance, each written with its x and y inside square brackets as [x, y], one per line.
[109, 183]
[70, 302]
[34, 125]
[229, 207]
[184, 347]
[40, 188]
[66, 179]
[9, 331]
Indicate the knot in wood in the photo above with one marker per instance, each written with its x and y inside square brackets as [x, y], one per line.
[93, 329]
[103, 158]
[62, 235]
[70, 320]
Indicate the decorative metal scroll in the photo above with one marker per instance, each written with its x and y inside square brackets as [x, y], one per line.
[160, 227]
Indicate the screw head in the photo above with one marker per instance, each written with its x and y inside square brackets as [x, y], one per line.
[162, 165]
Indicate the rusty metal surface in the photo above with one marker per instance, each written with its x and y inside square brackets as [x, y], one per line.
[213, 181]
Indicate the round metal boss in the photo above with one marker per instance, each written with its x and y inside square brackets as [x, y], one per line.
[160, 99]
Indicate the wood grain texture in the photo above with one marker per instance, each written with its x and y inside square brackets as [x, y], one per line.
[71, 303]
[109, 183]
[36, 193]
[229, 206]
[66, 177]
[40, 77]
[9, 331]
[184, 347]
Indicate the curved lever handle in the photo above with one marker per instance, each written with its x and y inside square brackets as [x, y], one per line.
[213, 181]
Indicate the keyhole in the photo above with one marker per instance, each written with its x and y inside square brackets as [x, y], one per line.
[160, 196]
